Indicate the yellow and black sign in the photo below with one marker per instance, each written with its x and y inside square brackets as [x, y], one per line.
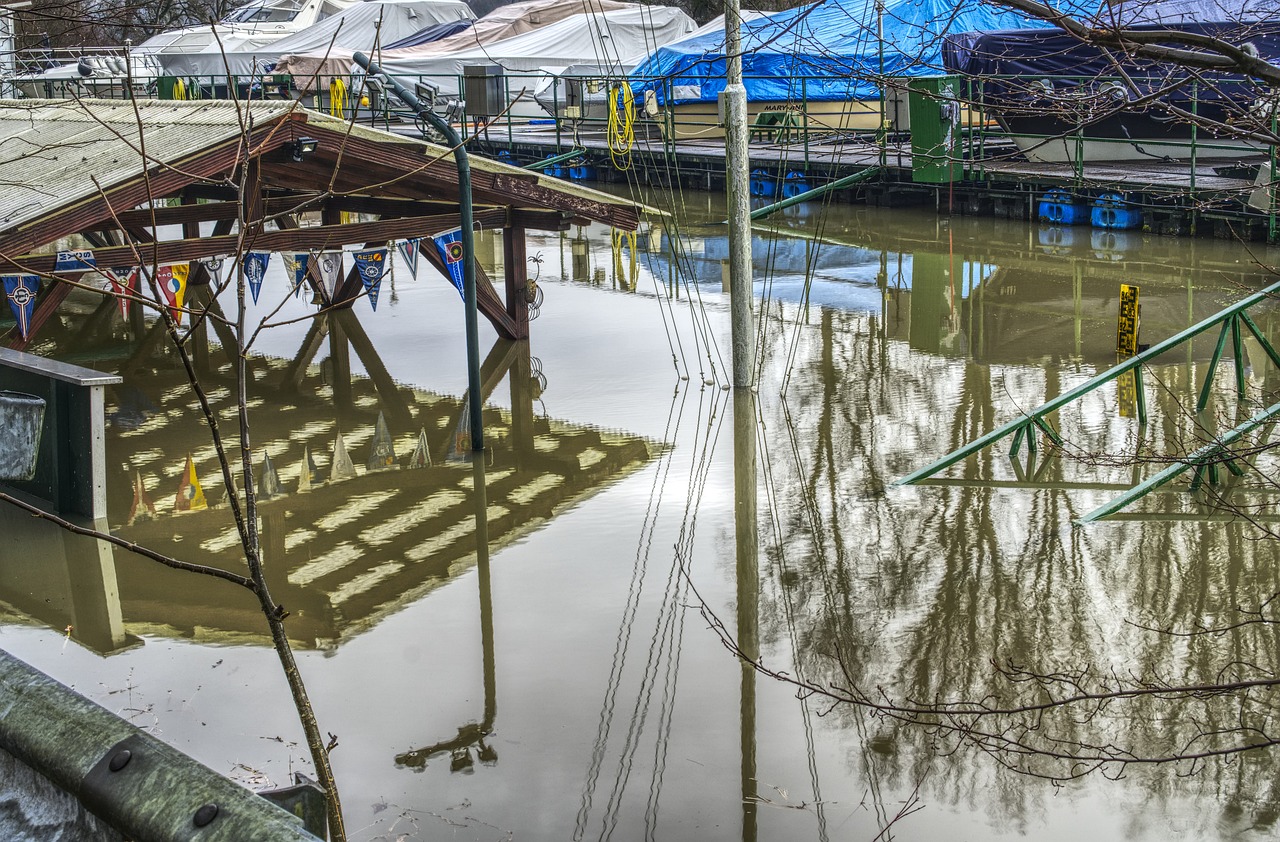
[1127, 346]
[1127, 327]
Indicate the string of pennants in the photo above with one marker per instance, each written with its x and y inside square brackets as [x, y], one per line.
[22, 290]
[190, 494]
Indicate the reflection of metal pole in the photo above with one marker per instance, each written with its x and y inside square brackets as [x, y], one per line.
[468, 237]
[737, 181]
[473, 734]
[486, 595]
[744, 519]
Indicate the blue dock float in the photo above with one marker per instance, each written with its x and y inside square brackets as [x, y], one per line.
[1062, 208]
[763, 185]
[1111, 210]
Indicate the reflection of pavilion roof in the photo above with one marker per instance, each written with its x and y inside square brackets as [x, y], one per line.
[346, 553]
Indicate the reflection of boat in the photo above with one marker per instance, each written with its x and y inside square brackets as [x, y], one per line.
[812, 67]
[1064, 100]
[362, 26]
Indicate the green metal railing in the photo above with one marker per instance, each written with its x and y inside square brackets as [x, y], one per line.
[1204, 460]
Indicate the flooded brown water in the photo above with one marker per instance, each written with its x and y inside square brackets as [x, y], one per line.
[531, 662]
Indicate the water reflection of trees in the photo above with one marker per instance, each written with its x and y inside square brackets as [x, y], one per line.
[918, 592]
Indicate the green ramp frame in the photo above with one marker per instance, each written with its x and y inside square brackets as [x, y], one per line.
[1205, 459]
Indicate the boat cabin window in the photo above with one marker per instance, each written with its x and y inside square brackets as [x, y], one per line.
[264, 13]
[327, 10]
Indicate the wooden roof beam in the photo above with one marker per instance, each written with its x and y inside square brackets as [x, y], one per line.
[299, 239]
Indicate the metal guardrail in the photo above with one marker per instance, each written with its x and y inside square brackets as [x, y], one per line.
[139, 785]
[1204, 460]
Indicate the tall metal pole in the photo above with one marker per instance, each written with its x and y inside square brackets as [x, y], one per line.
[737, 187]
[468, 238]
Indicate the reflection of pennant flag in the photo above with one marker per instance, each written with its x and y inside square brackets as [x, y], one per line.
[449, 244]
[409, 251]
[341, 468]
[370, 265]
[307, 471]
[74, 261]
[173, 283]
[296, 265]
[190, 495]
[143, 508]
[269, 484]
[462, 432]
[124, 282]
[255, 268]
[383, 452]
[421, 457]
[329, 268]
[21, 290]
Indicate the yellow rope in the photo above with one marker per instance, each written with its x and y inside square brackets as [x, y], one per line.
[338, 98]
[621, 125]
[179, 89]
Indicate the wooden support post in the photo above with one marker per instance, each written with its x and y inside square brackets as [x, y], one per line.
[522, 398]
[340, 360]
[297, 368]
[515, 266]
[487, 300]
[393, 403]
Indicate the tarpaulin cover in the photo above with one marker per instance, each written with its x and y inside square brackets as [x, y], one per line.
[828, 51]
[1042, 66]
[356, 28]
[619, 35]
[432, 33]
[502, 23]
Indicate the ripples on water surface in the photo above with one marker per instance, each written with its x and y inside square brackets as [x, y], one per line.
[576, 691]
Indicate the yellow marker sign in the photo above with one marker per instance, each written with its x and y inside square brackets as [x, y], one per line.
[1127, 326]
[1127, 346]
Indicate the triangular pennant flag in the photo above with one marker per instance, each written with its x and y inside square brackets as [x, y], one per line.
[123, 282]
[449, 244]
[421, 457]
[409, 251]
[254, 267]
[21, 290]
[213, 265]
[306, 471]
[383, 452]
[296, 265]
[74, 261]
[190, 495]
[269, 482]
[370, 265]
[143, 508]
[329, 268]
[342, 467]
[173, 283]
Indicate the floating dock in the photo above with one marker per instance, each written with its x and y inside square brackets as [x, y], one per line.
[1173, 197]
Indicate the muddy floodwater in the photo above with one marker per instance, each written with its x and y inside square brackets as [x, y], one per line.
[533, 646]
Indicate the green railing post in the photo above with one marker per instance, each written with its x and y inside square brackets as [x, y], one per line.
[1213, 368]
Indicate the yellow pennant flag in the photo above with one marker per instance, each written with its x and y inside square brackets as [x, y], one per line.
[190, 495]
[173, 283]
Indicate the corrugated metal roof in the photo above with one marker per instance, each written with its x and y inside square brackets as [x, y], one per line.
[52, 150]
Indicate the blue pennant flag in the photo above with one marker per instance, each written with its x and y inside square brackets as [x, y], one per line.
[409, 251]
[21, 290]
[74, 261]
[255, 267]
[370, 265]
[299, 265]
[449, 244]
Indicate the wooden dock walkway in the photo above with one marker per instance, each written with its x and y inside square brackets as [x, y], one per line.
[1209, 199]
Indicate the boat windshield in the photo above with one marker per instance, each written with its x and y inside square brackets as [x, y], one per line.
[264, 13]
